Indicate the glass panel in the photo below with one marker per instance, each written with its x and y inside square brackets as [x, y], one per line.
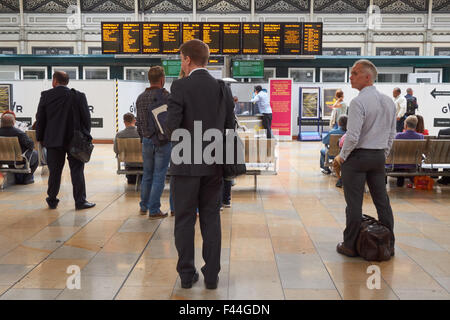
[33, 74]
[72, 73]
[137, 74]
[96, 74]
[268, 73]
[393, 77]
[333, 76]
[302, 75]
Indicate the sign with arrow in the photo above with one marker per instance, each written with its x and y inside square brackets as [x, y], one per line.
[435, 93]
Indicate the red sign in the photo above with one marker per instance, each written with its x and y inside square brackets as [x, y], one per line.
[280, 101]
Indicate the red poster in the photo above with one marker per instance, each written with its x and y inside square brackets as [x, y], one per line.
[280, 101]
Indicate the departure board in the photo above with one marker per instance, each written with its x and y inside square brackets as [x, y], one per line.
[251, 38]
[151, 37]
[111, 38]
[292, 38]
[131, 37]
[191, 31]
[211, 36]
[312, 38]
[231, 38]
[271, 38]
[170, 37]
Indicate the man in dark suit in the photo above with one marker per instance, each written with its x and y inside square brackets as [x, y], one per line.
[55, 128]
[195, 102]
[7, 129]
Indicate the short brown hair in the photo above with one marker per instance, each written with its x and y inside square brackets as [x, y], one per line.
[339, 93]
[61, 77]
[155, 74]
[128, 117]
[197, 50]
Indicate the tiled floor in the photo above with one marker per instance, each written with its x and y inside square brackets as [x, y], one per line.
[278, 242]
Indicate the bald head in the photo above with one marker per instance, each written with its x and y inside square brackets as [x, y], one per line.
[60, 78]
[7, 120]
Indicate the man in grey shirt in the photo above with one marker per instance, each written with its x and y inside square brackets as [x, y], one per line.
[130, 131]
[371, 130]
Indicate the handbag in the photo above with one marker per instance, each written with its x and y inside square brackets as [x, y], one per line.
[80, 146]
[235, 166]
[374, 240]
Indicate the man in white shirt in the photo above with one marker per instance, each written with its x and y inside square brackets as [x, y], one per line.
[262, 100]
[400, 107]
[369, 138]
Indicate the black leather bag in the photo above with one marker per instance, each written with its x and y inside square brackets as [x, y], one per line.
[374, 242]
[80, 146]
[237, 166]
[232, 143]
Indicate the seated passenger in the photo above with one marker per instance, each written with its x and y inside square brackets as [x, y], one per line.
[17, 124]
[130, 131]
[409, 134]
[444, 134]
[7, 129]
[337, 165]
[341, 129]
[421, 126]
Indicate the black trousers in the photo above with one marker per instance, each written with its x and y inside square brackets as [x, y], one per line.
[226, 191]
[267, 124]
[364, 165]
[55, 162]
[204, 193]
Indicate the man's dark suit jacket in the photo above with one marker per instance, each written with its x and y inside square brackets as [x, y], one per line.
[198, 98]
[26, 143]
[55, 119]
[444, 132]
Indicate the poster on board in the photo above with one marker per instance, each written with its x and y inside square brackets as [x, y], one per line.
[281, 103]
[309, 100]
[329, 98]
[5, 97]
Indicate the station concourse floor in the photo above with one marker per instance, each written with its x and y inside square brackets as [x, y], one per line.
[277, 243]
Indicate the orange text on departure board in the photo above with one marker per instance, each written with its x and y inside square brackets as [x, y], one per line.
[130, 37]
[191, 31]
[272, 38]
[150, 36]
[211, 36]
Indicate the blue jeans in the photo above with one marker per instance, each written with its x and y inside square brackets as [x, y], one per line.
[323, 151]
[156, 162]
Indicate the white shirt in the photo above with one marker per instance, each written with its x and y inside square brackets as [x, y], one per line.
[400, 106]
[262, 101]
[206, 70]
[371, 122]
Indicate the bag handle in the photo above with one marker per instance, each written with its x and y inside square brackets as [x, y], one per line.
[75, 111]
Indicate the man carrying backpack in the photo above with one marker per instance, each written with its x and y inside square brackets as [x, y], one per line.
[411, 103]
[156, 147]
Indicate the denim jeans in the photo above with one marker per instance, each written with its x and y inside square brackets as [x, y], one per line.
[156, 162]
[323, 151]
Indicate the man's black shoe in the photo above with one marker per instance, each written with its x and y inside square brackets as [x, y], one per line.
[212, 285]
[188, 284]
[52, 206]
[85, 205]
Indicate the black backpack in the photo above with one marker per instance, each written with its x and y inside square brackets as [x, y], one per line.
[157, 114]
[411, 106]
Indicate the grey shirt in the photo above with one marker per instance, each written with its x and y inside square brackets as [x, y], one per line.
[130, 132]
[371, 122]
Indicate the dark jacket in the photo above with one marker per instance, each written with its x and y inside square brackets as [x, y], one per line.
[197, 98]
[55, 118]
[26, 143]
